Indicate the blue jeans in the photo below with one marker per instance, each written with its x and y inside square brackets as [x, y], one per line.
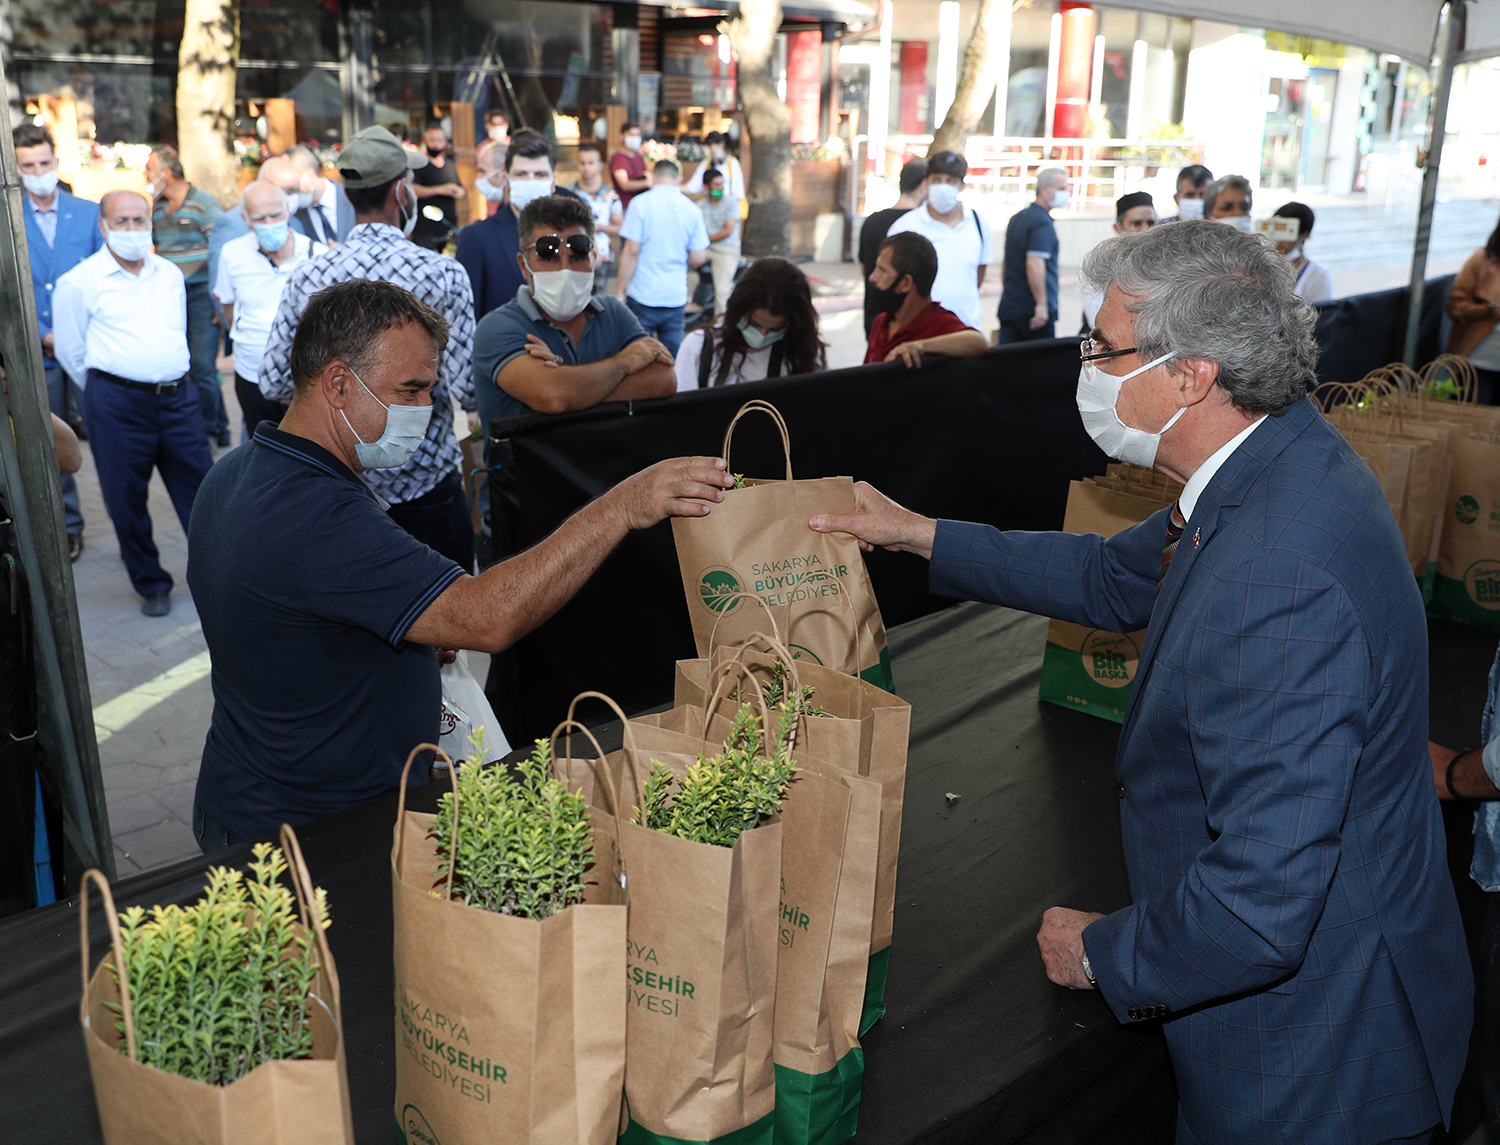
[203, 353]
[58, 386]
[211, 835]
[664, 323]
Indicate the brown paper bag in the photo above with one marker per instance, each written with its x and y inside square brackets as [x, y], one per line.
[1092, 670]
[507, 1029]
[278, 1103]
[1467, 585]
[758, 541]
[865, 731]
[700, 972]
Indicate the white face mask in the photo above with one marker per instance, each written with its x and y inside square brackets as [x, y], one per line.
[40, 185]
[491, 192]
[1060, 198]
[409, 222]
[499, 134]
[132, 246]
[1098, 393]
[1190, 210]
[562, 294]
[524, 192]
[632, 143]
[304, 200]
[758, 339]
[405, 427]
[1294, 254]
[942, 197]
[1238, 222]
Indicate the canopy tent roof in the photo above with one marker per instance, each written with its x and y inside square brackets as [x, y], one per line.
[1403, 27]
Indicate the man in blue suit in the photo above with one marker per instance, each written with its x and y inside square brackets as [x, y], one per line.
[1294, 926]
[61, 231]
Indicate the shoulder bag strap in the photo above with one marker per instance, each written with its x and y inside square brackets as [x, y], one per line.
[705, 357]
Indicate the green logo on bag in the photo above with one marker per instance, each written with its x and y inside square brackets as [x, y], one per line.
[716, 585]
[1482, 583]
[1109, 659]
[415, 1129]
[799, 652]
[1467, 510]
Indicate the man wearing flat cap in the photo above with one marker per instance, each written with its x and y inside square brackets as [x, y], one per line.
[425, 494]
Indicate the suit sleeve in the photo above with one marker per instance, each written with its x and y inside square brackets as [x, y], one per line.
[472, 260]
[1085, 579]
[1277, 687]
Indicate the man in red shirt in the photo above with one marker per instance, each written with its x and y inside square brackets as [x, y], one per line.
[911, 323]
[627, 169]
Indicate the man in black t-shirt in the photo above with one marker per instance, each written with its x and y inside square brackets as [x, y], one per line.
[438, 191]
[323, 616]
[1028, 297]
[878, 225]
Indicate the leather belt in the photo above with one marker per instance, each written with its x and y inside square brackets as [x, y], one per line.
[157, 388]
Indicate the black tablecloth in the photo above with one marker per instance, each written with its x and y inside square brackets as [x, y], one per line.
[977, 1045]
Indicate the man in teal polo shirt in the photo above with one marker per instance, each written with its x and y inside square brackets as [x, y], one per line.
[558, 346]
[182, 220]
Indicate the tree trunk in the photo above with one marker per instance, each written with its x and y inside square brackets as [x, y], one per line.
[976, 83]
[752, 36]
[206, 65]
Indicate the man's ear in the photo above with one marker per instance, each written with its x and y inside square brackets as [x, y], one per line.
[1197, 380]
[333, 382]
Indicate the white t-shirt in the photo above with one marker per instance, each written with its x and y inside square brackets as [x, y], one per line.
[252, 283]
[961, 251]
[1315, 283]
[751, 368]
[734, 179]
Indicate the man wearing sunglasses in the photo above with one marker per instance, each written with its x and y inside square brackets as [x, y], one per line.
[1294, 927]
[558, 346]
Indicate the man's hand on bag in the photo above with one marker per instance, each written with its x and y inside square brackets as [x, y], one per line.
[677, 487]
[877, 520]
[1061, 943]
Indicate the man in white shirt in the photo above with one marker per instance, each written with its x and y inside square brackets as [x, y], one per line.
[963, 242]
[718, 159]
[664, 235]
[120, 326]
[252, 271]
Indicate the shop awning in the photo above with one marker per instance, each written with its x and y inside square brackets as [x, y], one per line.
[850, 13]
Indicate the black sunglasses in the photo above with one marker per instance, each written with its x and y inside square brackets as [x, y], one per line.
[549, 246]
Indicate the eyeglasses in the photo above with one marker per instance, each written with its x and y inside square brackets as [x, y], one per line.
[548, 247]
[1089, 352]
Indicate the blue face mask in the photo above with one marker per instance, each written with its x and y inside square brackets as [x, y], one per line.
[272, 236]
[756, 338]
[405, 427]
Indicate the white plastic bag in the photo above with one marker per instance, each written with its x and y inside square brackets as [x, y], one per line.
[464, 709]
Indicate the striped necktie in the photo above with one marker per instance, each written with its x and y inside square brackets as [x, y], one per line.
[1176, 523]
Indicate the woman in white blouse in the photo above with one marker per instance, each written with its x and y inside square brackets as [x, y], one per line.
[770, 330]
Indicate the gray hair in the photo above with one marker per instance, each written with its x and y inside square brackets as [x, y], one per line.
[286, 200]
[1206, 291]
[1049, 175]
[168, 158]
[1227, 183]
[303, 158]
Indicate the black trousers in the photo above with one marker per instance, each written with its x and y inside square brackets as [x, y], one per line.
[255, 406]
[1019, 330]
[440, 520]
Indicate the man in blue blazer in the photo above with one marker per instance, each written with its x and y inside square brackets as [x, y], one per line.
[1294, 925]
[61, 231]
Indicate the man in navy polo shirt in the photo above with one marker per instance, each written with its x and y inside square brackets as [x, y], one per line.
[322, 615]
[557, 346]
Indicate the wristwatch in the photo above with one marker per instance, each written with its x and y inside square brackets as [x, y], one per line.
[1088, 971]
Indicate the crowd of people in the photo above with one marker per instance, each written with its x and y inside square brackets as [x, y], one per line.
[347, 527]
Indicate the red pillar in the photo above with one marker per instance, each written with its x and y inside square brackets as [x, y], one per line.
[804, 84]
[914, 99]
[1075, 70]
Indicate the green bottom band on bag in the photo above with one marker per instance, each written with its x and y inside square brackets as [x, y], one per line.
[880, 964]
[821, 1108]
[880, 674]
[1095, 679]
[758, 1133]
[1475, 600]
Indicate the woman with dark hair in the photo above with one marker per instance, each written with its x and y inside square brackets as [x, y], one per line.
[770, 330]
[1473, 306]
[1314, 280]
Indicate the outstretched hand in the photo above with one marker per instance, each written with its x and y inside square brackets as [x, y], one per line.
[677, 487]
[877, 520]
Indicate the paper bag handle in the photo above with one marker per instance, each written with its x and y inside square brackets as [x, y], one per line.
[597, 764]
[307, 903]
[713, 633]
[858, 628]
[732, 667]
[113, 918]
[401, 804]
[775, 415]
